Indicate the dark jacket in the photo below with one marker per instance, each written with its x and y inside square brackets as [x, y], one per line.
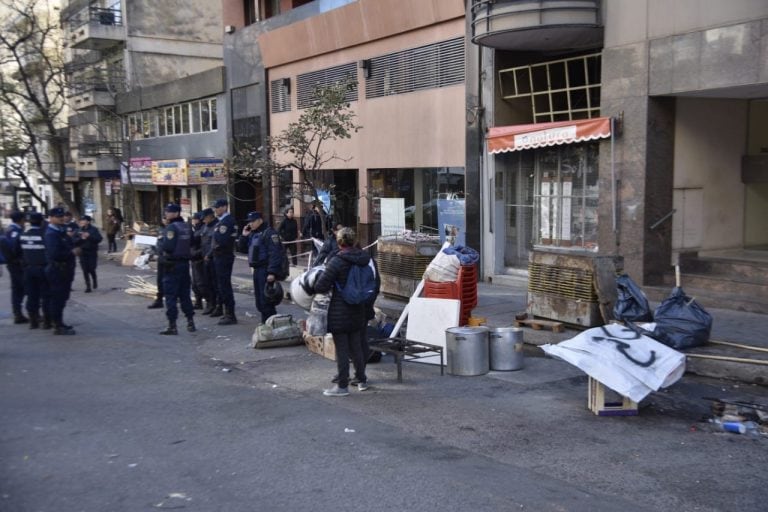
[328, 250]
[343, 317]
[313, 226]
[90, 244]
[288, 229]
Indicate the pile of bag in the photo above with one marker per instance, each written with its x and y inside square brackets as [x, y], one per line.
[679, 322]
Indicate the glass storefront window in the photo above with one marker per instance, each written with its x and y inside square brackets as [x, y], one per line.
[421, 188]
[566, 196]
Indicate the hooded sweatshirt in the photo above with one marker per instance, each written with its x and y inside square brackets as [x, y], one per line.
[343, 317]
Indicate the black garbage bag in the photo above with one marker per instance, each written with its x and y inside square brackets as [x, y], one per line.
[681, 322]
[631, 303]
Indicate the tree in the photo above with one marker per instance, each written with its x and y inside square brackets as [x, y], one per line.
[302, 145]
[33, 89]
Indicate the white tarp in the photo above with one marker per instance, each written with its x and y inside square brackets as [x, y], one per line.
[629, 363]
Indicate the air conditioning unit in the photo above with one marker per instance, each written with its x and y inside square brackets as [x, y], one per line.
[572, 288]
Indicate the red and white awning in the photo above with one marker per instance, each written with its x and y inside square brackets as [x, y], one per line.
[503, 139]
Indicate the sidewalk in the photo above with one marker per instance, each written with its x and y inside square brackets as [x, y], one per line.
[500, 303]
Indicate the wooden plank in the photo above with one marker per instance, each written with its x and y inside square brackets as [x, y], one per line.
[605, 286]
[538, 324]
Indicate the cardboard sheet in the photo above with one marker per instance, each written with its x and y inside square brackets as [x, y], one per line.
[427, 321]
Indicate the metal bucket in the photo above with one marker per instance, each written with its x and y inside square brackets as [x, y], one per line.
[467, 350]
[506, 348]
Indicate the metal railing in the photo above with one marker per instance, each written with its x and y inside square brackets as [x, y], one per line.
[94, 15]
[100, 148]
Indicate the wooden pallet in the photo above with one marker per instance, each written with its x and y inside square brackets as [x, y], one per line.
[537, 324]
[598, 403]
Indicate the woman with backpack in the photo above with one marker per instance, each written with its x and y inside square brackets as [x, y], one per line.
[353, 291]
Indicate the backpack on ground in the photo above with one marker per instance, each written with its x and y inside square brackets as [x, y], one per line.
[361, 285]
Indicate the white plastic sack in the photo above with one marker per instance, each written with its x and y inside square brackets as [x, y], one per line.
[317, 323]
[443, 268]
[141, 261]
[629, 363]
[304, 282]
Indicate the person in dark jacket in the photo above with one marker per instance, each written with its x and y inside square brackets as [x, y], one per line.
[113, 227]
[32, 246]
[224, 241]
[329, 249]
[59, 251]
[87, 240]
[262, 243]
[198, 265]
[175, 246]
[346, 322]
[289, 232]
[14, 262]
[212, 301]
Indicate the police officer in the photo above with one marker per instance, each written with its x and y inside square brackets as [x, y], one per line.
[71, 228]
[198, 265]
[209, 271]
[264, 248]
[32, 246]
[175, 246]
[13, 260]
[224, 240]
[88, 239]
[59, 248]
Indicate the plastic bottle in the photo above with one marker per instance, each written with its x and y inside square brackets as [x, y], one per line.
[738, 427]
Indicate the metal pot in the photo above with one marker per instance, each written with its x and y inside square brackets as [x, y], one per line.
[506, 348]
[467, 350]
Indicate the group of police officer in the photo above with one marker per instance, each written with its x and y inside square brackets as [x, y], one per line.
[41, 261]
[207, 246]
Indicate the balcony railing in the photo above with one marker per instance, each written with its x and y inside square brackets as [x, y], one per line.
[98, 16]
[537, 25]
[99, 148]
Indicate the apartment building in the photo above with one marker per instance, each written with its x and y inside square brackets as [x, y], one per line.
[629, 128]
[407, 58]
[146, 85]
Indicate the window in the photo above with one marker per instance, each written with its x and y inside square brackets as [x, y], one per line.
[280, 96]
[185, 118]
[196, 117]
[214, 119]
[192, 117]
[169, 121]
[308, 82]
[177, 119]
[205, 116]
[566, 196]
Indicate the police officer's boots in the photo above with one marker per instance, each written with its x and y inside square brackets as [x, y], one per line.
[34, 321]
[47, 324]
[198, 302]
[19, 318]
[191, 324]
[87, 284]
[63, 330]
[171, 329]
[217, 311]
[228, 318]
[95, 281]
[209, 306]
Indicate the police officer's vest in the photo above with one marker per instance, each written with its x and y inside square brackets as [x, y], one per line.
[33, 248]
[183, 248]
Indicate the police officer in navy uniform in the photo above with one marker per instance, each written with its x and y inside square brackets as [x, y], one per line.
[224, 240]
[209, 271]
[88, 239]
[175, 246]
[71, 228]
[265, 249]
[59, 250]
[13, 260]
[198, 265]
[31, 243]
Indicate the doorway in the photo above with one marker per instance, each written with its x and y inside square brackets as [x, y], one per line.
[518, 186]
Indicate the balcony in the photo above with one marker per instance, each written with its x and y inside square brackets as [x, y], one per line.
[95, 89]
[537, 25]
[96, 157]
[96, 28]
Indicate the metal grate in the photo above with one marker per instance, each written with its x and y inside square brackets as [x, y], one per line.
[308, 82]
[402, 265]
[280, 91]
[568, 283]
[426, 67]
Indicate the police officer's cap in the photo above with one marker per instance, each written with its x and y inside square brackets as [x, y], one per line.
[254, 216]
[206, 212]
[67, 213]
[56, 212]
[198, 215]
[17, 216]
[86, 217]
[35, 217]
[172, 208]
[220, 202]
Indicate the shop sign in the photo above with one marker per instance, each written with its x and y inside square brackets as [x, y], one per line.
[169, 172]
[108, 187]
[207, 171]
[140, 171]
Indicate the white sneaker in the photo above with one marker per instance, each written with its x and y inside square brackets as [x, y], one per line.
[362, 386]
[336, 391]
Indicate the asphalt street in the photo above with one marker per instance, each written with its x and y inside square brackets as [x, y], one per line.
[119, 418]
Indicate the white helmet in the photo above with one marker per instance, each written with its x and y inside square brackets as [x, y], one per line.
[303, 287]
